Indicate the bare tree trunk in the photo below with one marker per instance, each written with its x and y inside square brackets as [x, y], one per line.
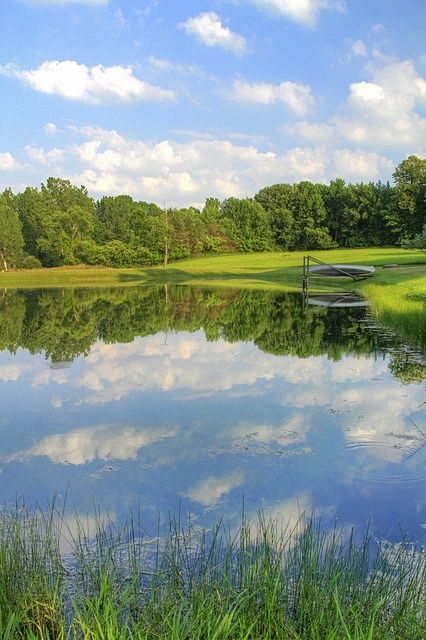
[4, 261]
[166, 239]
[166, 253]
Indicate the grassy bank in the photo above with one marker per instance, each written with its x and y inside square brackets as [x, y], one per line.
[276, 269]
[398, 295]
[263, 582]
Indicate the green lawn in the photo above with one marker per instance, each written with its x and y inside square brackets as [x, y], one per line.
[397, 295]
[277, 269]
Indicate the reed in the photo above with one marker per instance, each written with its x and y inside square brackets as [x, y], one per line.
[263, 581]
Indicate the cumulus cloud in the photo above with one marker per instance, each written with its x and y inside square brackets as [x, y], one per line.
[7, 161]
[209, 30]
[12, 371]
[358, 48]
[295, 96]
[186, 172]
[99, 442]
[175, 68]
[210, 490]
[94, 85]
[382, 111]
[314, 132]
[50, 129]
[45, 158]
[116, 370]
[304, 12]
[358, 164]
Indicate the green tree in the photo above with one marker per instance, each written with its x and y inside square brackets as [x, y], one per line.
[247, 224]
[276, 200]
[76, 224]
[33, 212]
[307, 206]
[216, 238]
[416, 242]
[11, 239]
[114, 218]
[65, 195]
[410, 196]
[335, 198]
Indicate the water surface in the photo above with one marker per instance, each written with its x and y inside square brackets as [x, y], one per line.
[199, 400]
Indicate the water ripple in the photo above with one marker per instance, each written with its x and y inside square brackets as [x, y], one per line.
[387, 462]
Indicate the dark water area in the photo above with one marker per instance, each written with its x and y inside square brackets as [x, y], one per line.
[166, 399]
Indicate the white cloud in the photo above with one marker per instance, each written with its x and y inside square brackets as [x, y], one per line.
[50, 129]
[292, 431]
[287, 519]
[185, 172]
[73, 526]
[94, 85]
[12, 372]
[360, 164]
[45, 158]
[7, 162]
[315, 132]
[359, 48]
[209, 30]
[116, 370]
[99, 442]
[304, 12]
[382, 112]
[210, 490]
[296, 96]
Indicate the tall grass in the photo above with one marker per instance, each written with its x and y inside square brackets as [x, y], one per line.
[398, 297]
[264, 581]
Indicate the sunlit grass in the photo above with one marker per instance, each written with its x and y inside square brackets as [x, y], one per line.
[263, 581]
[398, 297]
[278, 268]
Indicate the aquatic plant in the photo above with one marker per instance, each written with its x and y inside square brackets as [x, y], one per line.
[262, 581]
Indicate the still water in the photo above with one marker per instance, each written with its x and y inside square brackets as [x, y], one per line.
[167, 399]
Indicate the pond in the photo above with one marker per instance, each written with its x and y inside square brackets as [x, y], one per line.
[210, 401]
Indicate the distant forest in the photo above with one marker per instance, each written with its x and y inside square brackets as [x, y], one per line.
[60, 224]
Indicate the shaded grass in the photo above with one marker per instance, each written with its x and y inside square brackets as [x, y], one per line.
[263, 581]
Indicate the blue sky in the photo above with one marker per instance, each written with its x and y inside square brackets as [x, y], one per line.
[172, 101]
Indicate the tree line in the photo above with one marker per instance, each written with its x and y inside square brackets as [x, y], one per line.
[60, 224]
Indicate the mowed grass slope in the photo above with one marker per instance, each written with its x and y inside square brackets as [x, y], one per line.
[397, 295]
[282, 269]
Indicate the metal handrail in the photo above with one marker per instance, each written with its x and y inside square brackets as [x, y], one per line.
[345, 273]
[306, 264]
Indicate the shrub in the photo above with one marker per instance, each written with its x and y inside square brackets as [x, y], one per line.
[30, 262]
[416, 242]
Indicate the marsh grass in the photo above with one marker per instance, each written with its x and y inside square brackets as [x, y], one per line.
[263, 581]
[398, 297]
